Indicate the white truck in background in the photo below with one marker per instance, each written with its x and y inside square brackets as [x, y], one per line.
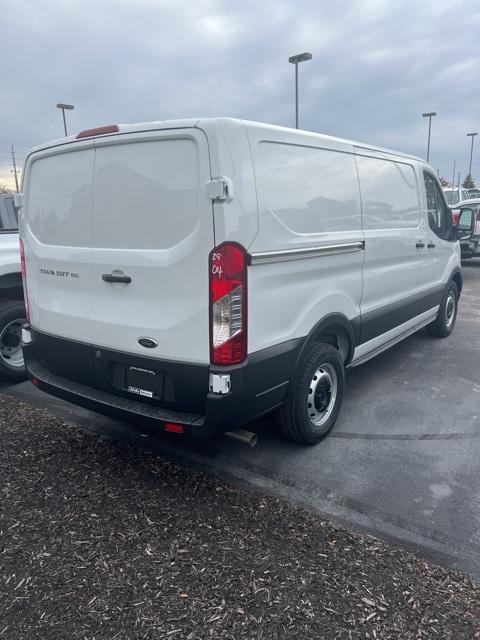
[12, 306]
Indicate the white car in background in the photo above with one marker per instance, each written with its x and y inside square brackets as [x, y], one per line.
[12, 306]
[454, 196]
[470, 247]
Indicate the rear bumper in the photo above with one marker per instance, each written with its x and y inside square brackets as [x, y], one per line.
[257, 386]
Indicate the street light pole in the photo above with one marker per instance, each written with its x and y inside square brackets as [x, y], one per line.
[296, 96]
[429, 116]
[301, 57]
[63, 106]
[472, 135]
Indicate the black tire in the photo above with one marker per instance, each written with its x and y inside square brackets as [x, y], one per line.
[10, 311]
[444, 323]
[294, 417]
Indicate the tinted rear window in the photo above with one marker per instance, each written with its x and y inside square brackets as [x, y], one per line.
[59, 198]
[146, 194]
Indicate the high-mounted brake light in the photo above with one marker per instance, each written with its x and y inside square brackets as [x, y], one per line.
[228, 304]
[24, 279]
[99, 131]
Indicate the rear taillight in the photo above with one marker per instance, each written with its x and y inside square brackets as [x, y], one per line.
[455, 216]
[24, 279]
[228, 304]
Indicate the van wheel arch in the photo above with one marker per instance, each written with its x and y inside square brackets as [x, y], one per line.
[335, 330]
[458, 279]
[312, 407]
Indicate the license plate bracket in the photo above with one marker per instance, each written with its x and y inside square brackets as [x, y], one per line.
[143, 382]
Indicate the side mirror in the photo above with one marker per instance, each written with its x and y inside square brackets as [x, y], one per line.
[465, 224]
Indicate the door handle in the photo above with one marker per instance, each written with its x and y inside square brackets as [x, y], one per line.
[431, 245]
[110, 277]
[420, 245]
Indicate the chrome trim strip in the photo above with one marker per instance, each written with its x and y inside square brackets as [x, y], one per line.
[266, 257]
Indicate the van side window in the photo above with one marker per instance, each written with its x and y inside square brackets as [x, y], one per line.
[307, 190]
[389, 194]
[437, 211]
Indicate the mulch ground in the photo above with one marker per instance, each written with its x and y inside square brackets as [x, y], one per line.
[105, 540]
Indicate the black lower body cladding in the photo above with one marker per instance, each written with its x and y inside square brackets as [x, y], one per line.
[97, 379]
[387, 318]
[154, 391]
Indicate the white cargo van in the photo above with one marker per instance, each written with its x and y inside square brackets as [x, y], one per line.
[196, 274]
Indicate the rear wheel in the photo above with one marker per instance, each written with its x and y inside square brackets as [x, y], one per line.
[315, 396]
[12, 317]
[443, 325]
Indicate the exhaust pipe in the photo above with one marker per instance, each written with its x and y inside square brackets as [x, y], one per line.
[240, 435]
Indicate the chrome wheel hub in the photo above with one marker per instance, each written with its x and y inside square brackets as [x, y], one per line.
[322, 394]
[11, 343]
[450, 310]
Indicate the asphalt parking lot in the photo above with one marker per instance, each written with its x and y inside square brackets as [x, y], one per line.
[402, 460]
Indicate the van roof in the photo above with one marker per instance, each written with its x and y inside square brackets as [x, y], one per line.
[226, 122]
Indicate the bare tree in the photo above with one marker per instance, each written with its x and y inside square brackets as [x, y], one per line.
[444, 182]
[5, 189]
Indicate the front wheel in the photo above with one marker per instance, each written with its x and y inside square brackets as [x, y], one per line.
[12, 317]
[443, 325]
[316, 394]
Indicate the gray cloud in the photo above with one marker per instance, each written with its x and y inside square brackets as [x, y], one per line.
[377, 66]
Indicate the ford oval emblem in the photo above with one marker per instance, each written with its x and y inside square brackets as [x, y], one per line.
[149, 343]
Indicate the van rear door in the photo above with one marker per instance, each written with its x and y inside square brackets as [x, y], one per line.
[152, 234]
[58, 232]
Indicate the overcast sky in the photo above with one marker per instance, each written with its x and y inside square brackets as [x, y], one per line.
[377, 65]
